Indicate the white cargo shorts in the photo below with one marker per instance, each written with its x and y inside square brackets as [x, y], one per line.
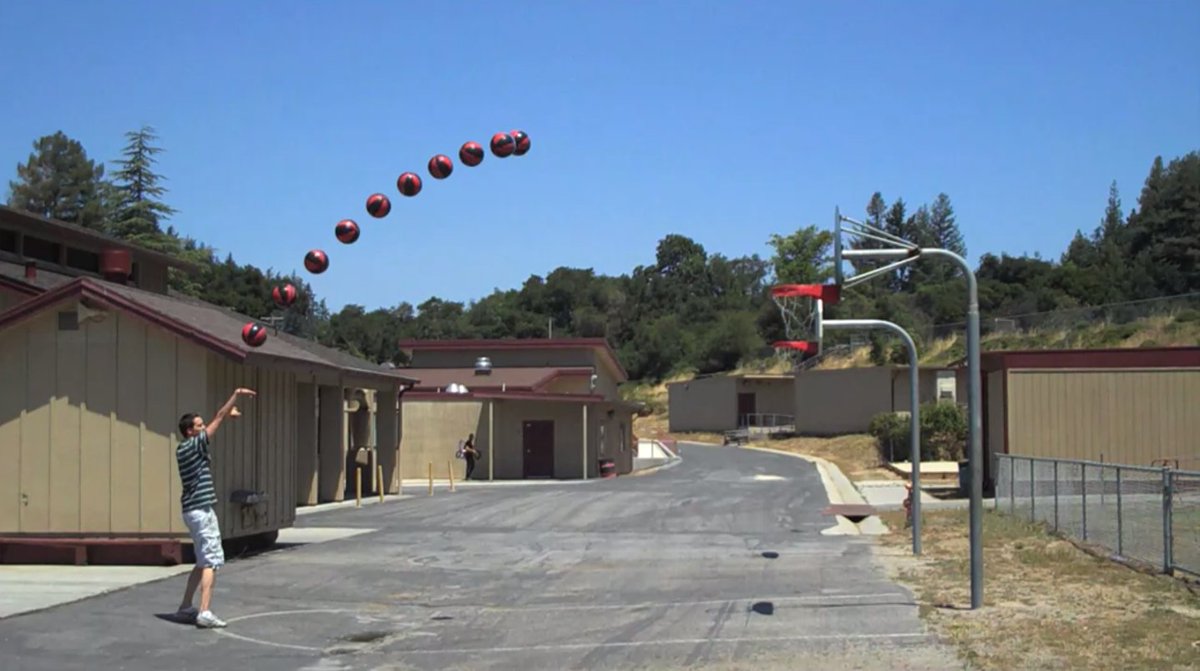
[206, 537]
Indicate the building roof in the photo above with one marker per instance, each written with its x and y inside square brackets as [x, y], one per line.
[12, 274]
[1123, 357]
[85, 237]
[600, 345]
[205, 324]
[527, 378]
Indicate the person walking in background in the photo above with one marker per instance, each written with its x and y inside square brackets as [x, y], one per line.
[197, 500]
[470, 454]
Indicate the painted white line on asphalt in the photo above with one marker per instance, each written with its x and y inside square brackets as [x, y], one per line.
[810, 598]
[679, 604]
[670, 641]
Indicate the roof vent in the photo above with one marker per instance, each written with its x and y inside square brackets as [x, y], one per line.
[483, 366]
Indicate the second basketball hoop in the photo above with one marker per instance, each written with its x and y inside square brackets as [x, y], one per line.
[801, 306]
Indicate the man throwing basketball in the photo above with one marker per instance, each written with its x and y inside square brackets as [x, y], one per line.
[198, 498]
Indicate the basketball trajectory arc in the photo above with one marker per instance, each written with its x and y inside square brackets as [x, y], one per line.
[347, 231]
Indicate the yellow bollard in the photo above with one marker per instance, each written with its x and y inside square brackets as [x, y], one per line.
[450, 472]
[358, 487]
[431, 478]
[379, 479]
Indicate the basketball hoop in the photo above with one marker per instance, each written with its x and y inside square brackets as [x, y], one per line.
[801, 306]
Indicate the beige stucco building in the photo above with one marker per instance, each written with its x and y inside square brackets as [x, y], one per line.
[99, 360]
[725, 402]
[538, 408]
[840, 401]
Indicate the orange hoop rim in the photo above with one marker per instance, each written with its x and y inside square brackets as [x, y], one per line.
[828, 293]
[806, 346]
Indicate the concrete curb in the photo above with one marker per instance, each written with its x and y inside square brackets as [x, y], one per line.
[650, 471]
[840, 490]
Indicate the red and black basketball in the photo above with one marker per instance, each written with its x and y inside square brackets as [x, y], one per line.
[284, 295]
[471, 153]
[378, 205]
[409, 184]
[441, 166]
[346, 231]
[316, 261]
[503, 145]
[254, 334]
[520, 142]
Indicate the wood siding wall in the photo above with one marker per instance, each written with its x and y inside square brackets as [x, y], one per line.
[89, 425]
[256, 451]
[1128, 416]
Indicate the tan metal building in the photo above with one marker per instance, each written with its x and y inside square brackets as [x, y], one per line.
[726, 402]
[1127, 406]
[839, 401]
[527, 402]
[98, 364]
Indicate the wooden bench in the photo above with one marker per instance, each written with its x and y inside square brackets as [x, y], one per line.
[737, 436]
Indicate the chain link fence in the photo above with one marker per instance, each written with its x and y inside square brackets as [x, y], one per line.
[1137, 512]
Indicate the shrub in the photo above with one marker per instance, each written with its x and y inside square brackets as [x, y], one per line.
[1187, 315]
[890, 430]
[943, 433]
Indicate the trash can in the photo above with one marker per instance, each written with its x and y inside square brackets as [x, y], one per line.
[608, 468]
[964, 479]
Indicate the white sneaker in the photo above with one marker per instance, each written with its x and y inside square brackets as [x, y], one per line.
[206, 620]
[187, 614]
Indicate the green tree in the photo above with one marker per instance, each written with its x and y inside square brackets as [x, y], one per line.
[59, 181]
[803, 257]
[140, 210]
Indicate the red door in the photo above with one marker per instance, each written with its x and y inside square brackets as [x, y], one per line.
[537, 439]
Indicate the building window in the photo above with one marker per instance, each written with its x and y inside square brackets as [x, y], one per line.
[42, 250]
[83, 260]
[8, 241]
[624, 445]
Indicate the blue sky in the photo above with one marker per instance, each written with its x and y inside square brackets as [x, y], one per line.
[722, 121]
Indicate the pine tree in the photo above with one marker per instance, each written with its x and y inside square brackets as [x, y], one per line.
[140, 212]
[59, 181]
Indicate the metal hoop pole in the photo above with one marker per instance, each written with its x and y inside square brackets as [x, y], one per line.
[975, 428]
[914, 389]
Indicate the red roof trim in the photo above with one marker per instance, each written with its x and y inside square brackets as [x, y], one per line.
[89, 290]
[1129, 357]
[20, 287]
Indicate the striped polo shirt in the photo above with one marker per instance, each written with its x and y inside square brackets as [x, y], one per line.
[195, 473]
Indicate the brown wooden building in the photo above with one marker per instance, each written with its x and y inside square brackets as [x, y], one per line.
[539, 408]
[1126, 406]
[99, 360]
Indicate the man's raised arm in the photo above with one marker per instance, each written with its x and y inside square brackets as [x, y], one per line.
[221, 414]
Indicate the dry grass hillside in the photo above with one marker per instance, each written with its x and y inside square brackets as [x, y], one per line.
[1169, 330]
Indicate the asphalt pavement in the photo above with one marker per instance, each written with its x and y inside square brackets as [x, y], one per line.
[717, 562]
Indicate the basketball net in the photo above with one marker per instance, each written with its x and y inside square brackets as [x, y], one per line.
[800, 307]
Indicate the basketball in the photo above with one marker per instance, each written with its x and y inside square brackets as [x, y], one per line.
[503, 145]
[284, 295]
[409, 184]
[441, 166]
[346, 231]
[471, 154]
[521, 142]
[316, 261]
[254, 334]
[378, 205]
